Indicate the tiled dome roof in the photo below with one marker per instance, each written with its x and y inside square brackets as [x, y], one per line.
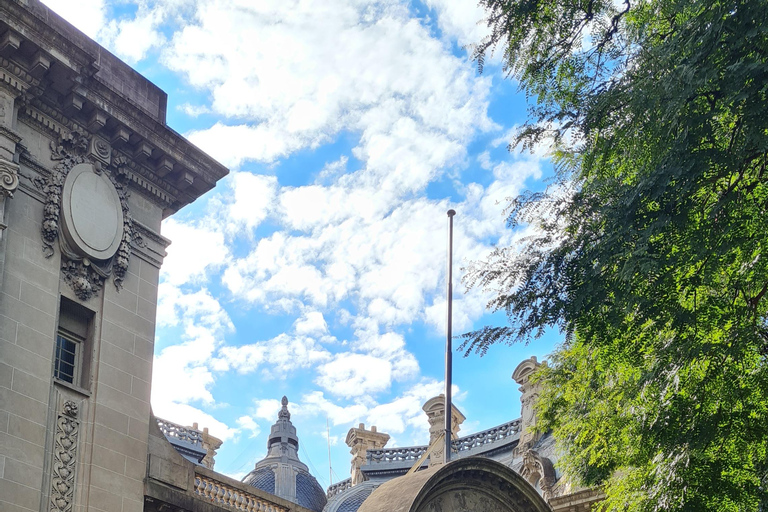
[281, 472]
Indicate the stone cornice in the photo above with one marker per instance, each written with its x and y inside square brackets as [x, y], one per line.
[67, 82]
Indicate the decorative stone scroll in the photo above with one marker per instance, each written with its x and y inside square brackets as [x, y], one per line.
[64, 458]
[9, 181]
[86, 212]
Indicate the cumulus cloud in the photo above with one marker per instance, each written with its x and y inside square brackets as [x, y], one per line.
[87, 15]
[195, 249]
[181, 374]
[248, 423]
[275, 357]
[460, 21]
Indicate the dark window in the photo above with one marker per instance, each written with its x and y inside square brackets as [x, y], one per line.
[66, 359]
[72, 359]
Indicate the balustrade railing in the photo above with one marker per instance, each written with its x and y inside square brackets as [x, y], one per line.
[229, 496]
[180, 432]
[487, 436]
[339, 487]
[412, 453]
[385, 455]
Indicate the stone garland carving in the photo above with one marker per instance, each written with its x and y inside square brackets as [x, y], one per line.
[70, 151]
[86, 277]
[64, 458]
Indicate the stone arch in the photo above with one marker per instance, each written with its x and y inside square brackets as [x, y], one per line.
[471, 484]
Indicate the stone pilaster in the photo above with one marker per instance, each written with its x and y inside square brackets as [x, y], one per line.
[9, 167]
[360, 441]
[435, 409]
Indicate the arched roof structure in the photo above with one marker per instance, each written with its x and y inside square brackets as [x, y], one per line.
[473, 483]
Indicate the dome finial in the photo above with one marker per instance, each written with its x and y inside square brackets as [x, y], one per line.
[284, 414]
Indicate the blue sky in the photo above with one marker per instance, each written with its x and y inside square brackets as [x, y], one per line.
[316, 269]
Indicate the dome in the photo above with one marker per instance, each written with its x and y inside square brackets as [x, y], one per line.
[281, 472]
[351, 499]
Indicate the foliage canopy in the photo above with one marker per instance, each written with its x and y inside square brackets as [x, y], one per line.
[649, 250]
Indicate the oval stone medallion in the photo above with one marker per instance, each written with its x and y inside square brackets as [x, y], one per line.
[92, 214]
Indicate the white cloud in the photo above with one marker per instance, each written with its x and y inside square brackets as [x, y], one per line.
[132, 38]
[460, 20]
[311, 322]
[194, 249]
[181, 374]
[316, 403]
[252, 198]
[350, 375]
[267, 409]
[248, 423]
[87, 15]
[415, 104]
[275, 357]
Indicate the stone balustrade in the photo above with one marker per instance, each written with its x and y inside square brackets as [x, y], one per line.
[487, 436]
[225, 495]
[491, 435]
[386, 455]
[180, 432]
[339, 487]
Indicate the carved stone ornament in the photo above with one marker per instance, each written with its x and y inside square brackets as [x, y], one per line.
[9, 177]
[64, 459]
[539, 469]
[86, 211]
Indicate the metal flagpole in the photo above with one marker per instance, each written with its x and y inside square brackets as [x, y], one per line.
[448, 349]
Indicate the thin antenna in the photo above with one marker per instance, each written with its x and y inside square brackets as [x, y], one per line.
[328, 435]
[448, 348]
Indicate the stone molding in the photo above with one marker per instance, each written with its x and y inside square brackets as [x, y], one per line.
[472, 483]
[102, 96]
[9, 177]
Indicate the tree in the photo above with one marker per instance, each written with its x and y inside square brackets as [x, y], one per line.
[648, 251]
